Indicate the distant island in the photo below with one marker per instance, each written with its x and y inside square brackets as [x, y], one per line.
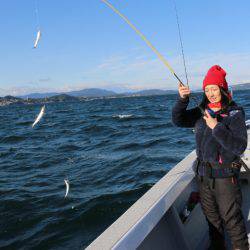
[75, 96]
[95, 92]
[242, 86]
[88, 94]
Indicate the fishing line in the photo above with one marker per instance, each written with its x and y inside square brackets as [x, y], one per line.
[150, 45]
[38, 35]
[37, 15]
[183, 55]
[181, 43]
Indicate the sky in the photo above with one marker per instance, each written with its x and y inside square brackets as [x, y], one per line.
[84, 44]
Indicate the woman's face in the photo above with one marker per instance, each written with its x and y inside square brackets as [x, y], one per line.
[213, 93]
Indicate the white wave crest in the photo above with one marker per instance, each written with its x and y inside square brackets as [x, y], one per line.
[123, 116]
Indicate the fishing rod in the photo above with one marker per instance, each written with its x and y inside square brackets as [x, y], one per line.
[159, 55]
[150, 45]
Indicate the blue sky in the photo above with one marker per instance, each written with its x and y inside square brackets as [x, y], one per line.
[84, 44]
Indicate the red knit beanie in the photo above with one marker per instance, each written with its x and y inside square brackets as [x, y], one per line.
[217, 76]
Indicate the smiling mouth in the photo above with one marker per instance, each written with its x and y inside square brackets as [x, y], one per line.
[213, 99]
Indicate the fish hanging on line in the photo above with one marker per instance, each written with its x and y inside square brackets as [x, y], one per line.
[67, 188]
[39, 117]
[38, 36]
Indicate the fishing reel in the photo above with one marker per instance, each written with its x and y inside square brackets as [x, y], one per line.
[211, 112]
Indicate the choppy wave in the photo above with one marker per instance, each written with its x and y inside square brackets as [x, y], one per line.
[123, 116]
[12, 139]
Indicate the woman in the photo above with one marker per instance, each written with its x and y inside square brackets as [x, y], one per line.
[221, 137]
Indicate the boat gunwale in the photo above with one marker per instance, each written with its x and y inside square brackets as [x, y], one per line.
[152, 206]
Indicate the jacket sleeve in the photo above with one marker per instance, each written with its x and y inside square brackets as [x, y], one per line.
[182, 117]
[234, 136]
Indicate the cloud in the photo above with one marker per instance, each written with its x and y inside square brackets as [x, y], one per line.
[48, 79]
[236, 65]
[137, 71]
[23, 90]
[145, 71]
[112, 61]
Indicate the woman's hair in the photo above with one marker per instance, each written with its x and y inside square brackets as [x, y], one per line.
[225, 100]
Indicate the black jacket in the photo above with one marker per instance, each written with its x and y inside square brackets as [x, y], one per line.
[228, 140]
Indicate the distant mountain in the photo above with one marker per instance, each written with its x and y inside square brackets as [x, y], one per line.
[87, 94]
[154, 92]
[39, 95]
[12, 98]
[73, 96]
[241, 86]
[92, 92]
[7, 100]
[95, 92]
[62, 98]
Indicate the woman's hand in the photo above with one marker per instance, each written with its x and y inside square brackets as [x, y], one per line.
[210, 121]
[184, 91]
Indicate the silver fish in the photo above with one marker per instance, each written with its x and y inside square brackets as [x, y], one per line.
[67, 188]
[38, 36]
[39, 117]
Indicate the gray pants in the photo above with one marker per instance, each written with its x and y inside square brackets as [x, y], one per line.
[221, 200]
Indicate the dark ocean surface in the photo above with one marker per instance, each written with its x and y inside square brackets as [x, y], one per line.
[111, 151]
